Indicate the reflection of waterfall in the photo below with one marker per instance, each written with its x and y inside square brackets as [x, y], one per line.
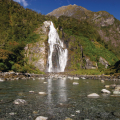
[62, 90]
[57, 57]
[50, 96]
[49, 90]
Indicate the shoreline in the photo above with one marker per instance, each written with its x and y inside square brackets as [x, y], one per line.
[5, 76]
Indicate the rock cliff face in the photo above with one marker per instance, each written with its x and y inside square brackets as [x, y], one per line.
[36, 53]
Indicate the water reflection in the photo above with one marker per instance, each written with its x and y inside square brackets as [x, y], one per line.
[60, 90]
[50, 96]
[62, 97]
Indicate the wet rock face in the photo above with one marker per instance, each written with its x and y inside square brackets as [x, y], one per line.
[55, 58]
[36, 52]
[46, 26]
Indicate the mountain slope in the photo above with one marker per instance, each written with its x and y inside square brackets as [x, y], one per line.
[107, 26]
[83, 43]
[17, 26]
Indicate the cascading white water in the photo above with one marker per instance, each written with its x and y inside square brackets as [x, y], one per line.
[56, 45]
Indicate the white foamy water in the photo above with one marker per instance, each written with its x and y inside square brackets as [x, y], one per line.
[56, 44]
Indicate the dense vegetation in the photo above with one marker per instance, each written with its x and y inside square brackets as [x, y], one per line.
[84, 34]
[17, 26]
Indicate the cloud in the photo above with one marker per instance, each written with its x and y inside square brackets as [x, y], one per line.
[22, 1]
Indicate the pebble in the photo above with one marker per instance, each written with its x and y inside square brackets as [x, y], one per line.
[12, 113]
[41, 118]
[102, 81]
[31, 91]
[107, 86]
[42, 93]
[105, 91]
[83, 78]
[19, 101]
[44, 82]
[93, 95]
[75, 83]
[77, 111]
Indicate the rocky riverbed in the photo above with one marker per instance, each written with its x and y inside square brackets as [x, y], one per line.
[17, 76]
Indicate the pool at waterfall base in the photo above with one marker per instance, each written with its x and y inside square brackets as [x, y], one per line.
[61, 100]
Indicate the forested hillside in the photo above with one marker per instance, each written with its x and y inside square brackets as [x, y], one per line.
[17, 26]
[84, 42]
[106, 24]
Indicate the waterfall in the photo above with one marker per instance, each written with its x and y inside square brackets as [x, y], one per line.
[57, 55]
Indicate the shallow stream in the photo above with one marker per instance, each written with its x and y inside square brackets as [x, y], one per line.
[62, 100]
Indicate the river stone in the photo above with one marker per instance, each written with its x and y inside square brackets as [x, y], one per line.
[116, 92]
[113, 86]
[76, 78]
[75, 83]
[1, 80]
[93, 95]
[44, 82]
[83, 78]
[71, 78]
[77, 111]
[107, 86]
[19, 102]
[12, 113]
[117, 87]
[102, 81]
[42, 93]
[105, 91]
[41, 118]
[31, 91]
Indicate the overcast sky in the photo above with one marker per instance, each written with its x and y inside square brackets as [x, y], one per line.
[46, 6]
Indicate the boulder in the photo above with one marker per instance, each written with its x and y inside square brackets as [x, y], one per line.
[103, 62]
[105, 91]
[75, 83]
[93, 95]
[116, 92]
[20, 102]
